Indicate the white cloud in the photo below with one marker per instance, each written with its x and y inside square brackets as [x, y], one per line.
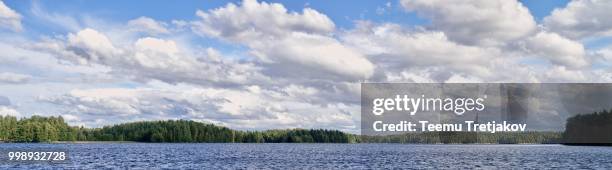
[251, 21]
[398, 48]
[557, 49]
[9, 18]
[297, 91]
[91, 46]
[603, 76]
[562, 74]
[22, 56]
[8, 111]
[458, 78]
[152, 58]
[484, 22]
[582, 19]
[287, 43]
[416, 55]
[147, 25]
[160, 54]
[9, 77]
[249, 108]
[98, 101]
[314, 54]
[415, 76]
[70, 118]
[605, 54]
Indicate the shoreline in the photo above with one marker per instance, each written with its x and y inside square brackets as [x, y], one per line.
[119, 142]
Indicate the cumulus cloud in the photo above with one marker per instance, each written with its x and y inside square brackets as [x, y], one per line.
[9, 77]
[248, 108]
[314, 53]
[91, 46]
[290, 43]
[151, 58]
[147, 25]
[398, 48]
[484, 22]
[416, 55]
[581, 19]
[9, 19]
[557, 49]
[251, 21]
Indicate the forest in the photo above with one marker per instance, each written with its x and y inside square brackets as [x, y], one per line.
[589, 129]
[38, 129]
[49, 129]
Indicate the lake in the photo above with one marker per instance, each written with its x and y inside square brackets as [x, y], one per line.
[317, 156]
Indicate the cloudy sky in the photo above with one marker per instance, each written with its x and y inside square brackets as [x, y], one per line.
[279, 64]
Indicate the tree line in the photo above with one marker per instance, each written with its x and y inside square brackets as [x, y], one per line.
[191, 131]
[589, 129]
[48, 129]
[38, 129]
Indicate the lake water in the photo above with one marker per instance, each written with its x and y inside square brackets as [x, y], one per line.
[317, 156]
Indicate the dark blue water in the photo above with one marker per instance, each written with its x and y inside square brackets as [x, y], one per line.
[318, 156]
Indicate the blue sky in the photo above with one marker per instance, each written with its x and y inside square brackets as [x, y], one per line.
[342, 14]
[252, 65]
[339, 11]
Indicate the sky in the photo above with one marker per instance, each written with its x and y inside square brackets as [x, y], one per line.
[279, 64]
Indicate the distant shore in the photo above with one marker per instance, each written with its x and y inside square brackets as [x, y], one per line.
[102, 142]
[133, 142]
[37, 129]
